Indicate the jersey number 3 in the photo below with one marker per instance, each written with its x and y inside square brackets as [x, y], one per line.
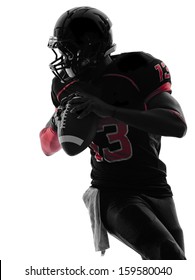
[117, 138]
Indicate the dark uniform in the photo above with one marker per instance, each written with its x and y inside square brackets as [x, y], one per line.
[124, 157]
[135, 199]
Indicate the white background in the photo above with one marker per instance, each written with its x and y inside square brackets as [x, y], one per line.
[43, 221]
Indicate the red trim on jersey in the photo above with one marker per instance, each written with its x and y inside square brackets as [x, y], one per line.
[64, 88]
[165, 87]
[49, 141]
[125, 77]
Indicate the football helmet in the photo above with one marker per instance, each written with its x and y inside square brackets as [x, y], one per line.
[82, 38]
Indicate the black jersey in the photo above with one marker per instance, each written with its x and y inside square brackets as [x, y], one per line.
[124, 157]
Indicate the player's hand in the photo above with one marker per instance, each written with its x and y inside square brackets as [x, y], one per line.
[78, 88]
[83, 105]
[68, 98]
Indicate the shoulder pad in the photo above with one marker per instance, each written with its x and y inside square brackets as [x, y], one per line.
[133, 61]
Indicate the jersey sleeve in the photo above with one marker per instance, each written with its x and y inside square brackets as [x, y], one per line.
[154, 79]
[147, 75]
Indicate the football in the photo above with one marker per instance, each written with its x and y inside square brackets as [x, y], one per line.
[74, 134]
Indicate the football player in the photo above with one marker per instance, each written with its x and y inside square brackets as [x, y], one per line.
[131, 94]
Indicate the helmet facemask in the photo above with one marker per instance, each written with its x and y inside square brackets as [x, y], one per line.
[62, 60]
[76, 62]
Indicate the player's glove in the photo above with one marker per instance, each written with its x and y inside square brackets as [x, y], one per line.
[83, 106]
[78, 88]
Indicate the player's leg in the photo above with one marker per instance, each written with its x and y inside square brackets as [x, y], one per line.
[165, 210]
[132, 220]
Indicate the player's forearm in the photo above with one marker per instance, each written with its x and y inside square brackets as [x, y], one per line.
[49, 138]
[49, 141]
[157, 121]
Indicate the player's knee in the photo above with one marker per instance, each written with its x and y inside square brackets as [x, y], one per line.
[170, 250]
[177, 233]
